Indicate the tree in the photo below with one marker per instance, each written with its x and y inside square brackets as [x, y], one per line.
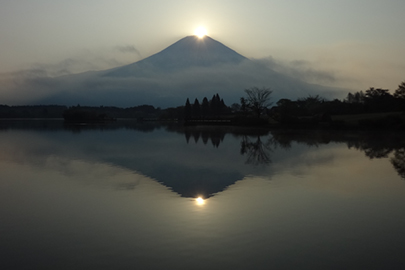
[378, 100]
[196, 109]
[243, 104]
[286, 111]
[399, 96]
[258, 99]
[400, 92]
[311, 105]
[187, 109]
[235, 107]
[215, 105]
[377, 93]
[205, 107]
[357, 97]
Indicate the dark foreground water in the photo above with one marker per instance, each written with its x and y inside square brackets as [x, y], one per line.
[124, 197]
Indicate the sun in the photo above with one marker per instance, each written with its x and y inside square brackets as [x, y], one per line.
[200, 32]
[200, 201]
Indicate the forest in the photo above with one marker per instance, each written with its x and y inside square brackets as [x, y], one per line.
[372, 108]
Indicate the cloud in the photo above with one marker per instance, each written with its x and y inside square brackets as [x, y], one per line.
[76, 65]
[83, 61]
[303, 70]
[128, 49]
[353, 64]
[44, 84]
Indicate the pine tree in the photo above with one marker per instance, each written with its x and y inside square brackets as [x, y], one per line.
[215, 104]
[187, 109]
[196, 109]
[205, 108]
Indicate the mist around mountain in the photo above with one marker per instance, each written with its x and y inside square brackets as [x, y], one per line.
[190, 68]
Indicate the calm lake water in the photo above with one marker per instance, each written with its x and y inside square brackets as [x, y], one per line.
[124, 197]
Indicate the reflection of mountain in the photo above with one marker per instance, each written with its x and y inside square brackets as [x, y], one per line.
[193, 161]
[203, 171]
[193, 182]
[159, 155]
[59, 124]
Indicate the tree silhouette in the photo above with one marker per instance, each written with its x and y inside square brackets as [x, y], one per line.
[358, 97]
[258, 99]
[196, 109]
[378, 100]
[257, 152]
[400, 92]
[376, 93]
[205, 108]
[399, 95]
[243, 106]
[235, 107]
[373, 148]
[311, 105]
[215, 105]
[216, 136]
[187, 109]
[398, 161]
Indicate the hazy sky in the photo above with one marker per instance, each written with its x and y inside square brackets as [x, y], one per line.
[360, 42]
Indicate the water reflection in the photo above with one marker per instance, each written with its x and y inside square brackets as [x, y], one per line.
[375, 145]
[213, 135]
[398, 161]
[256, 151]
[122, 197]
[257, 145]
[193, 169]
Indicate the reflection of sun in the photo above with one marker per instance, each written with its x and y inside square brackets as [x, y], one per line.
[200, 201]
[200, 32]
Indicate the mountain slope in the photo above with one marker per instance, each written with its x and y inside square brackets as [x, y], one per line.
[190, 51]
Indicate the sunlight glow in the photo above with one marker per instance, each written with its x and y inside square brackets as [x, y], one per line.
[200, 32]
[200, 201]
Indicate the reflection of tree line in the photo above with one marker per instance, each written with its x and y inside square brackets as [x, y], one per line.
[382, 147]
[258, 147]
[256, 150]
[373, 144]
[256, 144]
[56, 125]
[398, 161]
[123, 124]
[215, 136]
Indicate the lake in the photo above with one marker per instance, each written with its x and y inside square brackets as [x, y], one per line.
[125, 196]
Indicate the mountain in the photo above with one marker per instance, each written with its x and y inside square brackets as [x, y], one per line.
[188, 52]
[189, 68]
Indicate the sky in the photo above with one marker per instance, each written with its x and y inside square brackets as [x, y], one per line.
[357, 43]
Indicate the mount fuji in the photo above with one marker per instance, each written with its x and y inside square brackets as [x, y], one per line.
[190, 68]
[189, 52]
